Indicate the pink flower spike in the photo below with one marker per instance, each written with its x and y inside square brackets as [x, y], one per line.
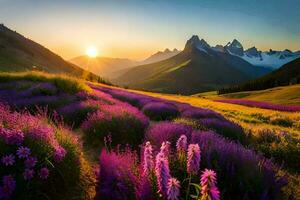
[165, 148]
[148, 158]
[193, 160]
[173, 189]
[181, 144]
[162, 172]
[208, 185]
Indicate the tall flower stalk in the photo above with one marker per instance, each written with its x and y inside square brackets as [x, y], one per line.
[193, 163]
[181, 146]
[148, 159]
[209, 189]
[162, 173]
[165, 148]
[193, 160]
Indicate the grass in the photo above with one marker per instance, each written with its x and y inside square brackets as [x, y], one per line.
[286, 95]
[63, 82]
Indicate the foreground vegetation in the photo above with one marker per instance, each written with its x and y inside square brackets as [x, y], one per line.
[141, 146]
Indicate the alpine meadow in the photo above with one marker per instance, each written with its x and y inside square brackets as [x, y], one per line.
[149, 100]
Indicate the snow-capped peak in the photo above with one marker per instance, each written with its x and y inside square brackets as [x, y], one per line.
[235, 47]
[195, 42]
[274, 59]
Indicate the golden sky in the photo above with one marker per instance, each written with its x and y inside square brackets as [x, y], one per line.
[136, 29]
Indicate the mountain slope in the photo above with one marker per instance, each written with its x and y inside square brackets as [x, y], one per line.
[285, 75]
[104, 66]
[159, 56]
[18, 53]
[197, 68]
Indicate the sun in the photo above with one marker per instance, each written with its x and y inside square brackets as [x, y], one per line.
[91, 52]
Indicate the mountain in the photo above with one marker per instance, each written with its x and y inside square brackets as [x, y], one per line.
[271, 58]
[199, 67]
[286, 75]
[104, 66]
[160, 55]
[18, 53]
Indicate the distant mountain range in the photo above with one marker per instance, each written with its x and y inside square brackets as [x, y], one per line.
[286, 75]
[199, 67]
[112, 68]
[106, 67]
[18, 54]
[160, 55]
[271, 58]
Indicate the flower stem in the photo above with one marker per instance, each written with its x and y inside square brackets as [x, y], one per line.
[188, 189]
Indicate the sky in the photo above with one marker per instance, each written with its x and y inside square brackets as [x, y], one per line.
[136, 29]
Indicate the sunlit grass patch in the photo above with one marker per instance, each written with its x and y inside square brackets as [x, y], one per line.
[63, 82]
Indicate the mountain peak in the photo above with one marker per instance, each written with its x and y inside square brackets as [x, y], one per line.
[253, 52]
[167, 50]
[235, 47]
[235, 43]
[195, 42]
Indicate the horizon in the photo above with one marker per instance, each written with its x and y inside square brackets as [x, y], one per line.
[69, 28]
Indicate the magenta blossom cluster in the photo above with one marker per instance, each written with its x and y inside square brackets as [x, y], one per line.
[173, 192]
[108, 112]
[209, 189]
[24, 126]
[17, 132]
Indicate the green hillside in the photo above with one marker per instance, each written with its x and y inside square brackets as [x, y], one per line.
[288, 95]
[19, 54]
[286, 75]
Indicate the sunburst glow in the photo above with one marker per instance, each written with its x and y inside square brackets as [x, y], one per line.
[91, 52]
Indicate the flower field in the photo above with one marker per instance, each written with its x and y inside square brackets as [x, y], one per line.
[259, 104]
[61, 138]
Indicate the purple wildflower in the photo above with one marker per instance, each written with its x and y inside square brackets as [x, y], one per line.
[160, 110]
[148, 158]
[9, 185]
[12, 137]
[59, 154]
[162, 173]
[193, 160]
[181, 144]
[30, 162]
[173, 189]
[208, 185]
[44, 173]
[8, 160]
[167, 131]
[28, 174]
[23, 152]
